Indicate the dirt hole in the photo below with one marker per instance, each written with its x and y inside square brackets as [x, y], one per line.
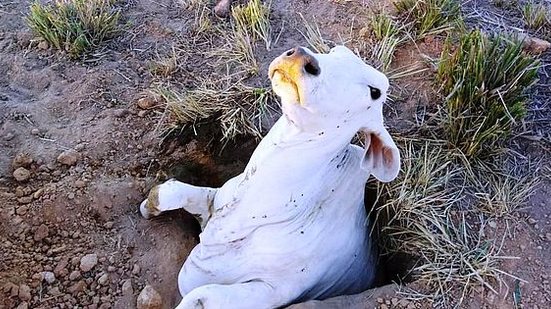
[199, 158]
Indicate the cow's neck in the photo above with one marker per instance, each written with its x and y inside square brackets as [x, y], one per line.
[314, 146]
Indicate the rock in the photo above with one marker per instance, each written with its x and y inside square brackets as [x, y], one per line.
[21, 174]
[41, 233]
[35, 131]
[146, 103]
[74, 275]
[149, 299]
[61, 269]
[492, 224]
[80, 184]
[536, 45]
[373, 298]
[24, 292]
[121, 112]
[38, 193]
[25, 200]
[22, 160]
[43, 45]
[68, 157]
[104, 279]
[548, 236]
[77, 287]
[12, 289]
[127, 287]
[9, 136]
[88, 262]
[111, 269]
[54, 291]
[48, 276]
[142, 114]
[105, 306]
[22, 210]
[136, 269]
[222, 9]
[532, 221]
[23, 305]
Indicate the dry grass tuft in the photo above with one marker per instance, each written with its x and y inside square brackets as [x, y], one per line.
[313, 36]
[428, 17]
[75, 26]
[423, 217]
[253, 20]
[239, 109]
[484, 81]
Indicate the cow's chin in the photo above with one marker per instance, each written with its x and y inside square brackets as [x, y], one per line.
[286, 88]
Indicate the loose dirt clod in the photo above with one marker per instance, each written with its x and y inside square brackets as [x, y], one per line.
[21, 174]
[146, 103]
[74, 275]
[22, 160]
[68, 157]
[24, 292]
[104, 279]
[41, 233]
[149, 299]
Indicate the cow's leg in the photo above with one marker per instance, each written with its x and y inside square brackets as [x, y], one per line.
[222, 9]
[253, 295]
[175, 195]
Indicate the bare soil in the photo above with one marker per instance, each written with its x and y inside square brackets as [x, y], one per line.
[50, 104]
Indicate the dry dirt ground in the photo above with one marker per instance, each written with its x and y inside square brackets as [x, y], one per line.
[85, 202]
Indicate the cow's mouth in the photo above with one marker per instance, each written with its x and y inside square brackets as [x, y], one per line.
[281, 77]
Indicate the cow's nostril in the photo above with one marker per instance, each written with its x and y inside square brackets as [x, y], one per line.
[290, 52]
[311, 67]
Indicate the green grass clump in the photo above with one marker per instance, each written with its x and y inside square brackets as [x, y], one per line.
[387, 36]
[484, 80]
[535, 15]
[75, 26]
[429, 16]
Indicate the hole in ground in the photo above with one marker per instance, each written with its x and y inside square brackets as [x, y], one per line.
[199, 158]
[391, 268]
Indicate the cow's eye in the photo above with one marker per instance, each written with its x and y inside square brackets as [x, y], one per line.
[374, 92]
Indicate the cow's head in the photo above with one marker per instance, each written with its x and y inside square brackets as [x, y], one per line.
[337, 92]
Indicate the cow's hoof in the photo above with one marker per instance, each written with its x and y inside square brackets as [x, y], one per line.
[143, 210]
[150, 206]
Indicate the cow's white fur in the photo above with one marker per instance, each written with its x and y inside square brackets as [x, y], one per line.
[292, 226]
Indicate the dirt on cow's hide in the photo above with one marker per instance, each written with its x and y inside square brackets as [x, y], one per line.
[77, 156]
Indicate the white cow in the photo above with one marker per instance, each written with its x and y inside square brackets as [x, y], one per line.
[292, 226]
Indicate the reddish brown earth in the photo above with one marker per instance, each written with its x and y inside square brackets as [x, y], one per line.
[59, 213]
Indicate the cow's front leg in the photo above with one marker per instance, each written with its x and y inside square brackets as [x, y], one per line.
[175, 195]
[253, 295]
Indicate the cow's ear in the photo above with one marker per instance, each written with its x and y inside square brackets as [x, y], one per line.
[381, 156]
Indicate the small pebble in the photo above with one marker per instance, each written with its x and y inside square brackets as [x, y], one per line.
[88, 262]
[69, 157]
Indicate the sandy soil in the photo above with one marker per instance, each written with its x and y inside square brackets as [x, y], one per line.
[87, 113]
